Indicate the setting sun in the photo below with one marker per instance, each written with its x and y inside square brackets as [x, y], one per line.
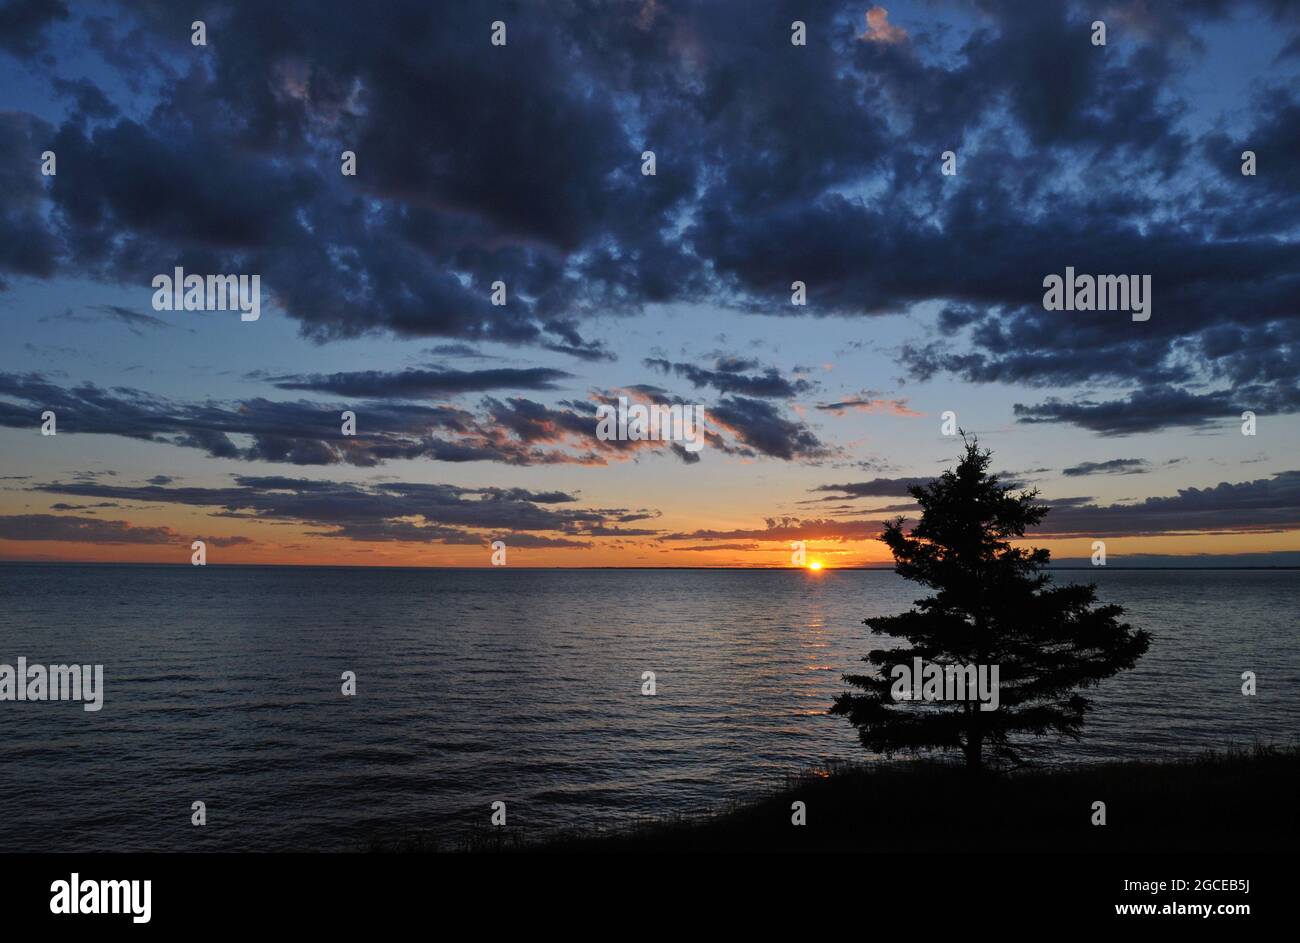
[815, 565]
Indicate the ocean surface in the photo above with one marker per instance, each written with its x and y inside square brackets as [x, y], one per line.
[222, 685]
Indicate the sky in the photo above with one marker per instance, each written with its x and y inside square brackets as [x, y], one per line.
[522, 164]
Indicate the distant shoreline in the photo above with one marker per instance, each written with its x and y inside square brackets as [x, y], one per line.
[471, 569]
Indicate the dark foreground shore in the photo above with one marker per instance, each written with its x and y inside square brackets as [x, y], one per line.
[1234, 802]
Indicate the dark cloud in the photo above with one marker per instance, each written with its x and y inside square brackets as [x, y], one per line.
[132, 319]
[1116, 466]
[418, 384]
[89, 100]
[727, 376]
[1154, 408]
[760, 426]
[23, 24]
[875, 488]
[92, 530]
[1265, 505]
[574, 344]
[528, 172]
[869, 402]
[750, 546]
[27, 247]
[386, 511]
[515, 431]
[302, 432]
[467, 351]
[243, 183]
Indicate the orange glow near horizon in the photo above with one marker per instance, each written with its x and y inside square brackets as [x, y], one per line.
[303, 549]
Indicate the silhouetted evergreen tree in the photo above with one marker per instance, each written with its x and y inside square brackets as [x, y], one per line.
[991, 606]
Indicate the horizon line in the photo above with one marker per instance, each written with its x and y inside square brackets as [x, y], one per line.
[796, 569]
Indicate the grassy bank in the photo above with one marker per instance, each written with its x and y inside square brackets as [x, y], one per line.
[1237, 801]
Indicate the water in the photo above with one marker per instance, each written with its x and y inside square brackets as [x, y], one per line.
[222, 684]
